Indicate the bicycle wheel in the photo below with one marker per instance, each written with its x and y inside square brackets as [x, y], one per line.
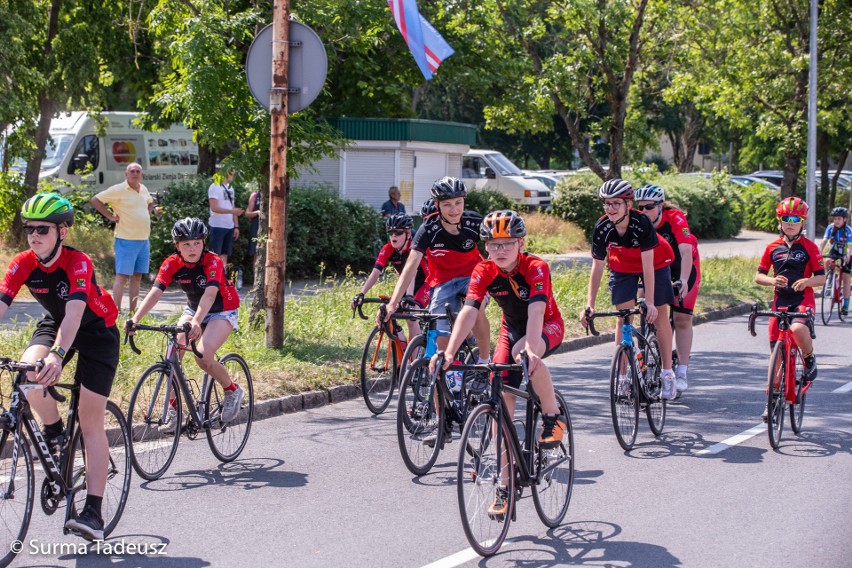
[379, 368]
[118, 469]
[420, 419]
[827, 298]
[838, 296]
[552, 493]
[623, 400]
[152, 450]
[477, 480]
[655, 404]
[227, 440]
[416, 350]
[17, 493]
[775, 393]
[797, 410]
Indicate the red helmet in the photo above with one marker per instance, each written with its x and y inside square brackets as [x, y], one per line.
[792, 206]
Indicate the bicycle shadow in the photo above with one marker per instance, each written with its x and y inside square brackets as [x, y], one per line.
[110, 555]
[819, 444]
[582, 543]
[248, 474]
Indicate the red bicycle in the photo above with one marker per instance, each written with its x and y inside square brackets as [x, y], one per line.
[785, 385]
[831, 297]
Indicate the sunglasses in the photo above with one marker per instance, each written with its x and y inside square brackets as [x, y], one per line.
[792, 219]
[649, 206]
[396, 232]
[38, 229]
[612, 204]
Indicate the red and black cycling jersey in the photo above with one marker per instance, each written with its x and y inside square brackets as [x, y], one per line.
[450, 256]
[625, 252]
[675, 230]
[195, 278]
[529, 282]
[71, 277]
[801, 259]
[389, 255]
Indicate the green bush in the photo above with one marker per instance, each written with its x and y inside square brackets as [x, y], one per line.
[759, 208]
[11, 199]
[486, 201]
[576, 200]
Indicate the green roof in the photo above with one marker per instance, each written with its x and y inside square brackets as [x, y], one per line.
[405, 129]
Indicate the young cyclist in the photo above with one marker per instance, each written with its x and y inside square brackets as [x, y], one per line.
[671, 224]
[395, 252]
[798, 268]
[80, 318]
[628, 239]
[520, 284]
[212, 308]
[839, 235]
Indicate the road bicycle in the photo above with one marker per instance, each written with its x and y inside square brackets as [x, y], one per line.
[831, 297]
[161, 387]
[65, 474]
[785, 386]
[494, 456]
[638, 359]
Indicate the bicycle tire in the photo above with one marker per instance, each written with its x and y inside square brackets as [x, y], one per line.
[624, 406]
[477, 478]
[379, 370]
[838, 296]
[775, 395]
[552, 493]
[227, 440]
[416, 350]
[827, 297]
[16, 509]
[118, 475]
[797, 410]
[655, 404]
[420, 415]
[151, 450]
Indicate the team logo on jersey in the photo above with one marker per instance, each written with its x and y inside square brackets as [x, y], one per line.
[799, 255]
[201, 281]
[468, 244]
[685, 232]
[539, 286]
[634, 242]
[523, 293]
[81, 282]
[13, 268]
[80, 268]
[212, 273]
[62, 290]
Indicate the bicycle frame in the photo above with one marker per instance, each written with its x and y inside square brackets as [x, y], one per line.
[628, 332]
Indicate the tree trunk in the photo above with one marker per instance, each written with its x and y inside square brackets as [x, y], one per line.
[258, 305]
[677, 153]
[792, 163]
[206, 161]
[694, 123]
[616, 132]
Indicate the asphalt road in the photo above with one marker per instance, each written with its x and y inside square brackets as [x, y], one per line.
[327, 487]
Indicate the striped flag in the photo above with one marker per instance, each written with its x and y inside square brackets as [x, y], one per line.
[426, 44]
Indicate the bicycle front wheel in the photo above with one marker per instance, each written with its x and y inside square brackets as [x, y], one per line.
[552, 493]
[775, 400]
[827, 298]
[118, 469]
[478, 478]
[419, 419]
[152, 449]
[797, 410]
[655, 404]
[838, 296]
[623, 399]
[228, 439]
[17, 493]
[416, 350]
[379, 368]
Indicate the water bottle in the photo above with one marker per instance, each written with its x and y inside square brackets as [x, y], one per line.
[454, 379]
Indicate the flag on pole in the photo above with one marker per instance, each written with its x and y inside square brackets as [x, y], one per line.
[426, 44]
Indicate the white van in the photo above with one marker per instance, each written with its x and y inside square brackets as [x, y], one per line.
[489, 169]
[165, 156]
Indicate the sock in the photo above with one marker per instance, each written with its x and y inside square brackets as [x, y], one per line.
[481, 361]
[94, 503]
[53, 430]
[681, 369]
[231, 387]
[622, 378]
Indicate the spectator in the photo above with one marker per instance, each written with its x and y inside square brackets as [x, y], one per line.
[223, 217]
[131, 205]
[253, 213]
[392, 206]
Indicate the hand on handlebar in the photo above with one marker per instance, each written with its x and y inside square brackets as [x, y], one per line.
[585, 315]
[130, 327]
[652, 313]
[357, 301]
[433, 362]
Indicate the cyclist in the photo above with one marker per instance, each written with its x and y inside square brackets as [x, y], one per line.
[428, 208]
[671, 224]
[798, 268]
[839, 235]
[628, 239]
[396, 252]
[80, 318]
[520, 284]
[212, 308]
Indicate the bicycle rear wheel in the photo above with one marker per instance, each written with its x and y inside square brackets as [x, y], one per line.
[152, 450]
[118, 469]
[623, 400]
[552, 493]
[838, 296]
[655, 404]
[228, 439]
[797, 410]
[420, 419]
[477, 480]
[827, 297]
[416, 350]
[775, 400]
[17, 494]
[379, 369]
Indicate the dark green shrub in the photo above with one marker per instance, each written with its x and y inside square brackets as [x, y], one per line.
[486, 201]
[11, 198]
[759, 208]
[575, 199]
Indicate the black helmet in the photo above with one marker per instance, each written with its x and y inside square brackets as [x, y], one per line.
[448, 188]
[428, 207]
[616, 188]
[840, 212]
[189, 229]
[399, 221]
[502, 225]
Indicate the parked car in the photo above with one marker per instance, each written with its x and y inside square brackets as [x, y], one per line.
[549, 180]
[491, 170]
[773, 176]
[747, 181]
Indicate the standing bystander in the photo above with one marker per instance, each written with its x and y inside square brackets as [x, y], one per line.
[223, 217]
[393, 206]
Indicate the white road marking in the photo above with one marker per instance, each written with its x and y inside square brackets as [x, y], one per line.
[461, 557]
[732, 441]
[844, 389]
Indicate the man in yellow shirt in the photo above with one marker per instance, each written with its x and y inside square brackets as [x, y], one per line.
[131, 205]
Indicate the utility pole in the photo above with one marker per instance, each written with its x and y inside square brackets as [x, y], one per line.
[279, 183]
[810, 178]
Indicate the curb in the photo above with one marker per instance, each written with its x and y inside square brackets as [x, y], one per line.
[315, 399]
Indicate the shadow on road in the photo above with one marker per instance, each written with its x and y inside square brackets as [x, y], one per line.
[255, 473]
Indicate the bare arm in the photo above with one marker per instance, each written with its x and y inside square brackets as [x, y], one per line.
[405, 278]
[151, 298]
[74, 310]
[461, 329]
[648, 280]
[685, 265]
[102, 209]
[594, 284]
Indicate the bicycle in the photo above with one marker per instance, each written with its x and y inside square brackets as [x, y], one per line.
[832, 291]
[785, 385]
[638, 355]
[65, 475]
[161, 387]
[491, 448]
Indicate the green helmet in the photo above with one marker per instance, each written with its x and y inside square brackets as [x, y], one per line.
[50, 207]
